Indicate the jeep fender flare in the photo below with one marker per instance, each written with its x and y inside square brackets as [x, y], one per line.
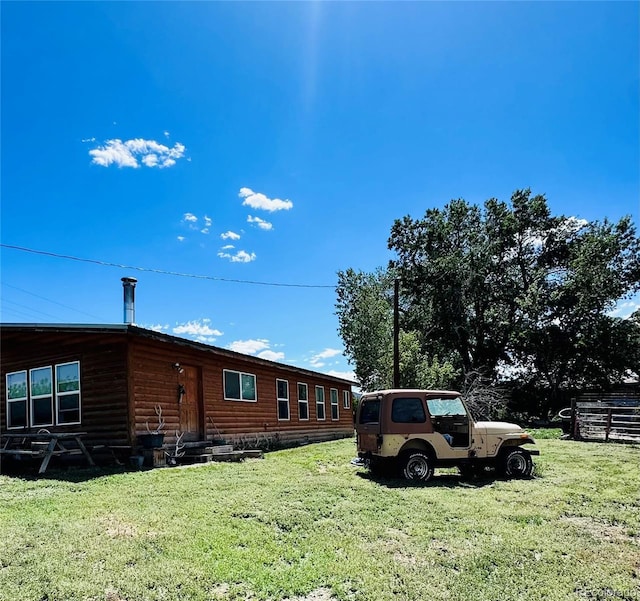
[417, 444]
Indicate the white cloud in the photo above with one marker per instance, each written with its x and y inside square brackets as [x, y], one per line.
[261, 223]
[230, 236]
[227, 247]
[190, 217]
[624, 309]
[257, 200]
[271, 355]
[150, 160]
[249, 347]
[127, 153]
[181, 238]
[88, 140]
[166, 134]
[204, 230]
[317, 359]
[240, 257]
[258, 347]
[198, 328]
[156, 327]
[207, 221]
[345, 375]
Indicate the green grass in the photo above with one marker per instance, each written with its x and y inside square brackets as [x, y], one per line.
[305, 524]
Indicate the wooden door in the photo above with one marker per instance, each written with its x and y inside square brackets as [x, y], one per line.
[191, 404]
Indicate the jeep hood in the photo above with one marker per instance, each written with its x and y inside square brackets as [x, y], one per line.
[499, 428]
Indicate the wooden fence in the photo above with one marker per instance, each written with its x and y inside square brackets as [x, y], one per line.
[606, 420]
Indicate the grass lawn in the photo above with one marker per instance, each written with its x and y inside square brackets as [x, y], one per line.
[304, 524]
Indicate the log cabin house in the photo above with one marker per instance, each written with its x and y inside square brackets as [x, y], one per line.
[109, 380]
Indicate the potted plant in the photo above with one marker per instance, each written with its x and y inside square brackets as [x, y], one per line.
[154, 439]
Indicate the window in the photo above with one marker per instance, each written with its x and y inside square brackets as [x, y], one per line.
[346, 399]
[370, 411]
[408, 411]
[41, 381]
[320, 403]
[334, 404]
[303, 401]
[282, 388]
[17, 399]
[48, 396]
[68, 393]
[442, 407]
[239, 386]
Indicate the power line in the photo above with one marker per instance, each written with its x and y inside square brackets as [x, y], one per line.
[161, 271]
[51, 301]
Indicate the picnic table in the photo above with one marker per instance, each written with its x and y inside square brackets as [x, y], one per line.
[45, 445]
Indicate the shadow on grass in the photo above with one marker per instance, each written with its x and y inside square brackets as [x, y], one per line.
[436, 481]
[62, 471]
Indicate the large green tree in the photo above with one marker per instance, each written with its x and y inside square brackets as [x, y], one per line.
[503, 289]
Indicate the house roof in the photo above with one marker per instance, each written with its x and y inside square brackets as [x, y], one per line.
[133, 330]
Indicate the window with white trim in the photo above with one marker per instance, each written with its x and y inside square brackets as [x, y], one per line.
[68, 393]
[303, 402]
[44, 396]
[282, 390]
[17, 399]
[334, 404]
[320, 403]
[41, 389]
[239, 386]
[346, 399]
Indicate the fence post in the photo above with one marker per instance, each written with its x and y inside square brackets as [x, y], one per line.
[606, 432]
[574, 420]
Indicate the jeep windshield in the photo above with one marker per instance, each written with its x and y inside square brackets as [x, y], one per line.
[444, 407]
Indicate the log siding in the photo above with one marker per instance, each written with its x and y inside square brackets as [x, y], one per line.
[127, 373]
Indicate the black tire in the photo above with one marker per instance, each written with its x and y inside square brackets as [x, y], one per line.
[417, 466]
[517, 463]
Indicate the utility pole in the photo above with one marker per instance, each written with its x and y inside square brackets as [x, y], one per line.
[396, 334]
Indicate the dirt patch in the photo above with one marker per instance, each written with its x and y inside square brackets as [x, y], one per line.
[116, 528]
[320, 594]
[601, 530]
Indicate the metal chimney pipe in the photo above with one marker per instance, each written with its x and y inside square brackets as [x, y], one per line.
[129, 285]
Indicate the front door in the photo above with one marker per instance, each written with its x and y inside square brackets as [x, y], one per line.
[190, 404]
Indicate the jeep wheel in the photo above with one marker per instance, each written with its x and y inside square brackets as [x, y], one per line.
[517, 463]
[417, 466]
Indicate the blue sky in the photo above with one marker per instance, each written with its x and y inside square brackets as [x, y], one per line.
[277, 142]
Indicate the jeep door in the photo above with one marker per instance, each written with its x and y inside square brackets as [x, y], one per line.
[368, 427]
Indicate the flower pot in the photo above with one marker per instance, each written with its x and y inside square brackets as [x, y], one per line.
[151, 441]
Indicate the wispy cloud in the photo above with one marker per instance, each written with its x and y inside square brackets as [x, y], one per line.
[200, 330]
[230, 236]
[180, 238]
[259, 347]
[240, 257]
[158, 327]
[624, 309]
[131, 153]
[190, 218]
[271, 355]
[318, 359]
[88, 140]
[249, 347]
[257, 200]
[345, 375]
[207, 221]
[261, 223]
